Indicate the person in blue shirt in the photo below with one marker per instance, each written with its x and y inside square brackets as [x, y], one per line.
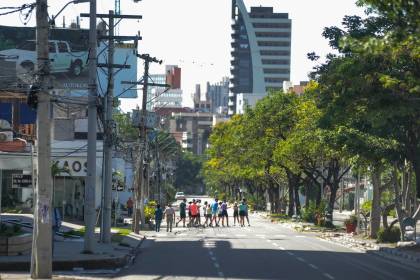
[158, 217]
[214, 212]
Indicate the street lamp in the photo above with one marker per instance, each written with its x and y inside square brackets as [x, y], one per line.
[52, 20]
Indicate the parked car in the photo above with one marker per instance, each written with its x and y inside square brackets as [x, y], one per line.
[179, 195]
[62, 58]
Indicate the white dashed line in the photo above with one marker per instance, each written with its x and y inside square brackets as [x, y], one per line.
[260, 235]
[290, 253]
[300, 236]
[328, 276]
[216, 265]
[313, 266]
[240, 235]
[300, 259]
[281, 248]
[213, 258]
[221, 235]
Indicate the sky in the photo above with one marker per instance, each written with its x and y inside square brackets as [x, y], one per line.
[196, 34]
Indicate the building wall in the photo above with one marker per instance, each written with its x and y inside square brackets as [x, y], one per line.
[247, 100]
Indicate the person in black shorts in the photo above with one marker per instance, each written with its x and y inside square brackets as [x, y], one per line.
[182, 212]
[189, 212]
[235, 214]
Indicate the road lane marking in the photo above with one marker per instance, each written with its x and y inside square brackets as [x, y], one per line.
[300, 236]
[290, 253]
[221, 235]
[260, 235]
[216, 265]
[313, 266]
[213, 258]
[240, 235]
[300, 259]
[328, 276]
[281, 248]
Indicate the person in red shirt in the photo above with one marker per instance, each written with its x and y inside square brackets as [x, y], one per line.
[194, 212]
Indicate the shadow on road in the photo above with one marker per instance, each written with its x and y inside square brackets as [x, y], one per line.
[171, 258]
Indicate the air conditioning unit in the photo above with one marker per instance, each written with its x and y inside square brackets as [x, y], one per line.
[6, 136]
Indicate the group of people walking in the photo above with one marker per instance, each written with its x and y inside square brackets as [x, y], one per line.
[207, 215]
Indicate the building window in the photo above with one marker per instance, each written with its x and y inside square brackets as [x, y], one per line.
[274, 80]
[271, 25]
[273, 34]
[273, 44]
[285, 53]
[276, 71]
[275, 61]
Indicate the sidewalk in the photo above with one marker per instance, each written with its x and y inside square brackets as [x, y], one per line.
[68, 252]
[405, 255]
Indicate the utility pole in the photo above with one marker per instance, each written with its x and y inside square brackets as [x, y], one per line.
[106, 202]
[90, 186]
[41, 261]
[140, 178]
[108, 140]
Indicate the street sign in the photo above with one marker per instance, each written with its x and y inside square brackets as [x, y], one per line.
[21, 181]
[151, 119]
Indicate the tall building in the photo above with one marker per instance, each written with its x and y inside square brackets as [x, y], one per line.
[261, 50]
[159, 97]
[201, 105]
[218, 95]
[173, 76]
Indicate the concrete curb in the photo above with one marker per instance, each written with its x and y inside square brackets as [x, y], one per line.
[101, 263]
[384, 252]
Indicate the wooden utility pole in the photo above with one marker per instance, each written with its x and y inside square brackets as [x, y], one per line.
[106, 201]
[41, 261]
[140, 178]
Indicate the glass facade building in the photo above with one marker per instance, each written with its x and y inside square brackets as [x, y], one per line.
[261, 49]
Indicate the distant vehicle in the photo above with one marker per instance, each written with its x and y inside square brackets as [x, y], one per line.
[179, 195]
[62, 58]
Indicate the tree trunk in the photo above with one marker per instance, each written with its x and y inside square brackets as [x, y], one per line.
[416, 167]
[290, 211]
[297, 201]
[318, 194]
[307, 195]
[331, 202]
[375, 214]
[397, 200]
[276, 198]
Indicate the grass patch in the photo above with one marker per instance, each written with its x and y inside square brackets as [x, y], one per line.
[75, 232]
[118, 237]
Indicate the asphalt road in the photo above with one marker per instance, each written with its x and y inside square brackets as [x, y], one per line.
[262, 251]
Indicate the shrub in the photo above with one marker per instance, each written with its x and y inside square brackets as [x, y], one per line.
[149, 210]
[389, 235]
[352, 220]
[308, 213]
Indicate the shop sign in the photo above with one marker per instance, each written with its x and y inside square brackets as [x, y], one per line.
[21, 181]
[76, 167]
